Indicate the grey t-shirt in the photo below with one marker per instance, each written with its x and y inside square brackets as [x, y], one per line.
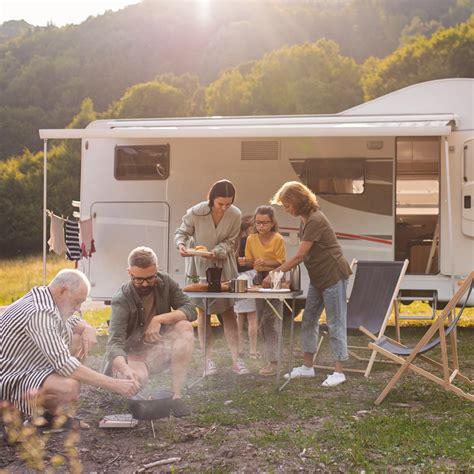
[325, 261]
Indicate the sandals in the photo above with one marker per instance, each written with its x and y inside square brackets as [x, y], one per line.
[255, 355]
[58, 424]
[268, 370]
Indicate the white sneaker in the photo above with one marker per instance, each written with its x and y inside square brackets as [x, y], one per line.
[302, 371]
[211, 368]
[334, 379]
[239, 367]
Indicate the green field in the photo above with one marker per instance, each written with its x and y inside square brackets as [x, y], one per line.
[19, 275]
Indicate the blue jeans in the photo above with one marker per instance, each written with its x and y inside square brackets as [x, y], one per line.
[269, 327]
[333, 300]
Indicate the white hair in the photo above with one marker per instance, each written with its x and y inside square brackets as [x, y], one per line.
[70, 279]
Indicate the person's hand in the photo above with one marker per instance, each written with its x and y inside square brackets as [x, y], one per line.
[242, 261]
[152, 333]
[260, 262]
[212, 257]
[88, 341]
[126, 387]
[129, 373]
[182, 250]
[267, 282]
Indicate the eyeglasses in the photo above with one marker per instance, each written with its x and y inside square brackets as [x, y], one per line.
[139, 280]
[263, 222]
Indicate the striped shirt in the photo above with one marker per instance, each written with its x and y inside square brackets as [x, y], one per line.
[34, 343]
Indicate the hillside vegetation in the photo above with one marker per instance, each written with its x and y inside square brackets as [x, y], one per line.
[167, 59]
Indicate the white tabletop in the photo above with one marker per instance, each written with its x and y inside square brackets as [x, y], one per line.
[239, 296]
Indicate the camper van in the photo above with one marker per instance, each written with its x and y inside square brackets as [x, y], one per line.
[395, 176]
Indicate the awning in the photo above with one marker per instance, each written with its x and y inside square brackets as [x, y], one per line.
[262, 127]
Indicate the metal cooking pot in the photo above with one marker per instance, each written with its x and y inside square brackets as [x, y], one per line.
[157, 406]
[238, 286]
[295, 278]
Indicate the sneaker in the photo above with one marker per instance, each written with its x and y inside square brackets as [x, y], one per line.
[268, 370]
[179, 408]
[298, 372]
[239, 367]
[211, 368]
[334, 379]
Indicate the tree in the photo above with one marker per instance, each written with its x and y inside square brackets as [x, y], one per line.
[304, 79]
[229, 94]
[151, 99]
[448, 53]
[85, 116]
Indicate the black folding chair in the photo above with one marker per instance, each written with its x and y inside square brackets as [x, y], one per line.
[374, 292]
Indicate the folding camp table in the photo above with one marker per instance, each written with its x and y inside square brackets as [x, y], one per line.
[209, 299]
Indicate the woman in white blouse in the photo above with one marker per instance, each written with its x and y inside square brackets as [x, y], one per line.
[215, 224]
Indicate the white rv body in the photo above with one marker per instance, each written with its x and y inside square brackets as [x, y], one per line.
[407, 170]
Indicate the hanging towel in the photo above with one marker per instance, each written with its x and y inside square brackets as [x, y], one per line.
[56, 235]
[73, 249]
[87, 240]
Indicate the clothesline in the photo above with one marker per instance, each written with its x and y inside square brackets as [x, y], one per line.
[71, 237]
[51, 214]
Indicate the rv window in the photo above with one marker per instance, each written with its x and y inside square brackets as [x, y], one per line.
[142, 162]
[332, 175]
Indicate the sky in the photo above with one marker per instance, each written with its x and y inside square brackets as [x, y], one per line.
[57, 12]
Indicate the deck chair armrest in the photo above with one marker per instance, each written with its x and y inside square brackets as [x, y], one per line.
[368, 333]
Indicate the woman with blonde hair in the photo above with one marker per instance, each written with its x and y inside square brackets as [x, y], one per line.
[328, 272]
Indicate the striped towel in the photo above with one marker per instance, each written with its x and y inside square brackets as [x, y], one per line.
[73, 249]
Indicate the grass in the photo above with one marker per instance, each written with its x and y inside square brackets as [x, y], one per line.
[418, 428]
[19, 275]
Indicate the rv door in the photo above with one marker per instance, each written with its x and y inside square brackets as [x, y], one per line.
[468, 188]
[118, 228]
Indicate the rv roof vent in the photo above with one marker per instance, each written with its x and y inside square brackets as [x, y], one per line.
[260, 150]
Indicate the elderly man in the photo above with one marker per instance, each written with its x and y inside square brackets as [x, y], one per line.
[150, 327]
[42, 345]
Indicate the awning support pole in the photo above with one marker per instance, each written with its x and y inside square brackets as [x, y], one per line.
[45, 203]
[450, 211]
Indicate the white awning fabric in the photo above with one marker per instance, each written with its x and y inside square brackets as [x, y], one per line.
[261, 127]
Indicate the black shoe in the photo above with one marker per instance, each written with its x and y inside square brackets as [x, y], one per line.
[58, 424]
[179, 408]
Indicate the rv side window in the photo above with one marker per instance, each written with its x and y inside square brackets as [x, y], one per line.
[142, 162]
[332, 175]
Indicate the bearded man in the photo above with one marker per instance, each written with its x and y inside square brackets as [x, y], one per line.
[150, 327]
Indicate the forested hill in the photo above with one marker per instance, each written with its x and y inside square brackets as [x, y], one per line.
[45, 73]
[14, 29]
[177, 58]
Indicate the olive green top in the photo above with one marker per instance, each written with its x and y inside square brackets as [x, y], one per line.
[325, 261]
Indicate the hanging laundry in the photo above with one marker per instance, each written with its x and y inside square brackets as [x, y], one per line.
[73, 248]
[87, 239]
[56, 235]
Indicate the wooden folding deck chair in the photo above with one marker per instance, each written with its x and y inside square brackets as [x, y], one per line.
[406, 356]
[374, 292]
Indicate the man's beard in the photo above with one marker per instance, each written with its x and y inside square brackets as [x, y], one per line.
[144, 290]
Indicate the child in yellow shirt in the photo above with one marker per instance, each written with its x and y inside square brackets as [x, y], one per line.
[265, 250]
